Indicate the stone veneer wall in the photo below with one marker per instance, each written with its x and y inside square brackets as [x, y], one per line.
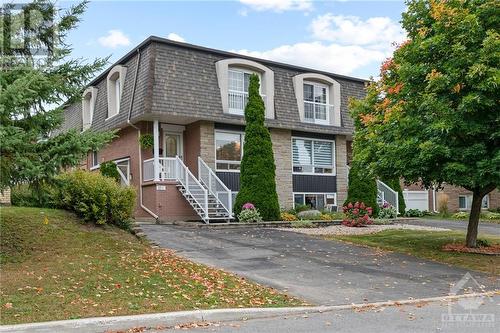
[282, 148]
[341, 168]
[207, 144]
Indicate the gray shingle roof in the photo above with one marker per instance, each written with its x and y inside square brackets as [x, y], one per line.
[180, 79]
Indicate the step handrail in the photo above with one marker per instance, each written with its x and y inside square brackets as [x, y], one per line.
[187, 174]
[212, 176]
[382, 187]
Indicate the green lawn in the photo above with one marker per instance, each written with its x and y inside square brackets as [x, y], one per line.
[64, 269]
[449, 218]
[428, 244]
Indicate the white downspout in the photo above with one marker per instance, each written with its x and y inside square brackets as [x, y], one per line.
[156, 151]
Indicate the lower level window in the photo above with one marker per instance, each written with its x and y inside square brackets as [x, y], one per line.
[228, 150]
[123, 167]
[317, 201]
[465, 201]
[94, 159]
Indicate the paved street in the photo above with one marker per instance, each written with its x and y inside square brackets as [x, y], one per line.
[319, 271]
[484, 227]
[422, 318]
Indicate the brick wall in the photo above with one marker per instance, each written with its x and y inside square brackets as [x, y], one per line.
[340, 165]
[282, 148]
[454, 192]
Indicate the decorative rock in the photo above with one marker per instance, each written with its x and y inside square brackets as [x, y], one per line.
[309, 214]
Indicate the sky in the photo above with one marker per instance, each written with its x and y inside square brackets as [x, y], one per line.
[344, 37]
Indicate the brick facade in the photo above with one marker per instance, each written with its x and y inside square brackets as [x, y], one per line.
[453, 193]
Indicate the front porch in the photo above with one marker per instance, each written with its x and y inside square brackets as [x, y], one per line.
[189, 173]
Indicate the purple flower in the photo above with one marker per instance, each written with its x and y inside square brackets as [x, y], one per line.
[248, 205]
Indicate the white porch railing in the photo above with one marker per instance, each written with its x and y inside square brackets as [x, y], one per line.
[192, 186]
[215, 186]
[387, 194]
[167, 168]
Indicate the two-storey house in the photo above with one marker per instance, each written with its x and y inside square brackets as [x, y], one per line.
[191, 99]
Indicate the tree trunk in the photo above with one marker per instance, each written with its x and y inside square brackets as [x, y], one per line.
[475, 211]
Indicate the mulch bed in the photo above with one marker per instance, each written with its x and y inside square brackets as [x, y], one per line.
[490, 250]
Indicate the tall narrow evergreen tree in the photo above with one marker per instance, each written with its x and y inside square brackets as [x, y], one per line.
[362, 187]
[257, 177]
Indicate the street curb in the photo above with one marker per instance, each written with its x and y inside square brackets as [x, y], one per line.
[170, 319]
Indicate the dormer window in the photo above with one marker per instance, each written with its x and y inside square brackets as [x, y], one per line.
[116, 78]
[88, 106]
[238, 82]
[318, 99]
[233, 76]
[316, 108]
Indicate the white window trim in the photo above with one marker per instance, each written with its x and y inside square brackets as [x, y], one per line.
[242, 136]
[467, 207]
[315, 193]
[92, 165]
[127, 177]
[247, 71]
[118, 72]
[334, 95]
[266, 82]
[334, 168]
[92, 91]
[327, 105]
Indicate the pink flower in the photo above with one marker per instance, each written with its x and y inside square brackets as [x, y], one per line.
[362, 206]
[248, 205]
[349, 205]
[355, 211]
[356, 205]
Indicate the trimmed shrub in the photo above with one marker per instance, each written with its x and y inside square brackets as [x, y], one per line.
[357, 215]
[257, 175]
[396, 186]
[362, 188]
[311, 214]
[96, 198]
[414, 213]
[460, 215]
[28, 196]
[110, 170]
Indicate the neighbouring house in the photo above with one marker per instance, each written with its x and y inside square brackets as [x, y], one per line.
[191, 100]
[459, 199]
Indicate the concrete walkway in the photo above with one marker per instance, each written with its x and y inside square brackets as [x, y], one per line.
[484, 227]
[319, 271]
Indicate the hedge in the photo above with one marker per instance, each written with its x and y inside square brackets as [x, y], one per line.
[95, 198]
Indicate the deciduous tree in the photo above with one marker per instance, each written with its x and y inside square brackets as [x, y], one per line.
[433, 116]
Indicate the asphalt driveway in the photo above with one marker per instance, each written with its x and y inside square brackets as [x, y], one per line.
[316, 270]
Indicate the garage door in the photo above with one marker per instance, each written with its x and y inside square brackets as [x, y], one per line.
[416, 200]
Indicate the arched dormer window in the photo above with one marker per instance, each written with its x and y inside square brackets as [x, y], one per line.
[88, 106]
[318, 98]
[233, 78]
[115, 80]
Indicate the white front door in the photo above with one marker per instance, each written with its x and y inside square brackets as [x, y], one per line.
[173, 145]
